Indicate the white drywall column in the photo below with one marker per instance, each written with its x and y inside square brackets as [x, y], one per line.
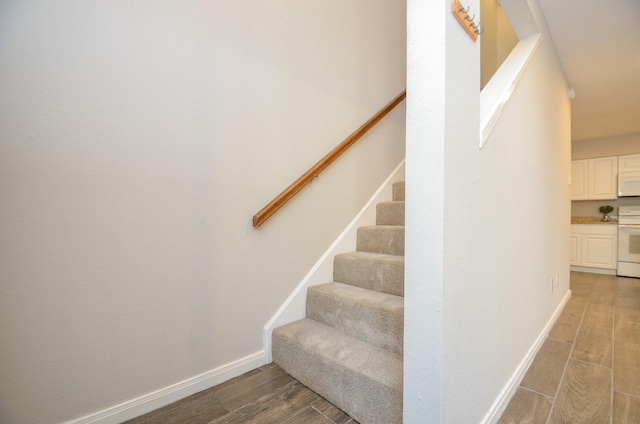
[442, 109]
[424, 193]
[462, 304]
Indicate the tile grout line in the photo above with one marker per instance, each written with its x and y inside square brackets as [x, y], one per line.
[613, 332]
[627, 394]
[613, 360]
[533, 391]
[566, 365]
[613, 326]
[318, 411]
[582, 361]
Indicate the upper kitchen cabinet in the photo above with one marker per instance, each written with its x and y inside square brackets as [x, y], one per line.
[629, 163]
[594, 179]
[580, 179]
[603, 178]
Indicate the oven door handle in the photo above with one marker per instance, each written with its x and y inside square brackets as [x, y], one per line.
[632, 227]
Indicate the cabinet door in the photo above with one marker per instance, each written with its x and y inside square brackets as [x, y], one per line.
[580, 179]
[576, 245]
[603, 175]
[628, 163]
[599, 251]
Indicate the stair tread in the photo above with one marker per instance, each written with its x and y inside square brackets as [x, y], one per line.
[383, 227]
[386, 202]
[391, 202]
[347, 351]
[373, 256]
[365, 297]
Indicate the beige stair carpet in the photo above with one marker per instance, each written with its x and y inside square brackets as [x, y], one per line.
[349, 348]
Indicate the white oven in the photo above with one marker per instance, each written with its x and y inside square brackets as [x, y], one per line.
[629, 241]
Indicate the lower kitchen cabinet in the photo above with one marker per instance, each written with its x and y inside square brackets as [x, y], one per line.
[594, 246]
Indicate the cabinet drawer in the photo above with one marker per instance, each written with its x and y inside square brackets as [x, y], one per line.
[604, 229]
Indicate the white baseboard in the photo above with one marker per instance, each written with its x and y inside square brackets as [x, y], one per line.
[593, 270]
[510, 388]
[159, 398]
[294, 308]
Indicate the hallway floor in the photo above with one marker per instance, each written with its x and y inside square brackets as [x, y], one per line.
[265, 395]
[588, 370]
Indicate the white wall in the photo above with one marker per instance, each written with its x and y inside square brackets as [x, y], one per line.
[627, 144]
[427, 25]
[486, 229]
[137, 139]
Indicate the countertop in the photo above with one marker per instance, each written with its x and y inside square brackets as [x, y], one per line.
[592, 220]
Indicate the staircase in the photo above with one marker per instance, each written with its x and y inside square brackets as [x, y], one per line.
[349, 347]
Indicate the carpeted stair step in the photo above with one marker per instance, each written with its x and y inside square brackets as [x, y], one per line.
[349, 348]
[390, 213]
[361, 379]
[387, 239]
[373, 271]
[398, 191]
[371, 316]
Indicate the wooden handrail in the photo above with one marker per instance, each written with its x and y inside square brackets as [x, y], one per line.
[289, 192]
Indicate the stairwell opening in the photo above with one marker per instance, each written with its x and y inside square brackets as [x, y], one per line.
[497, 40]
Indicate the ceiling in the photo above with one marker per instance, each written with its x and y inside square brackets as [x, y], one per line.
[598, 42]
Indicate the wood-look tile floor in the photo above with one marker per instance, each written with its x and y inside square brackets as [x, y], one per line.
[588, 369]
[263, 396]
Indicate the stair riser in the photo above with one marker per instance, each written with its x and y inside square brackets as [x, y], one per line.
[366, 400]
[398, 191]
[385, 275]
[381, 239]
[390, 213]
[372, 317]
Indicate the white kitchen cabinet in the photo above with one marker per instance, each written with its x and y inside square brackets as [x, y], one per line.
[603, 178]
[594, 179]
[576, 249]
[594, 246]
[599, 251]
[628, 163]
[580, 179]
